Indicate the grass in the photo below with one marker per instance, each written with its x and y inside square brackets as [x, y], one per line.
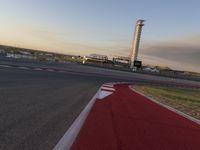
[185, 100]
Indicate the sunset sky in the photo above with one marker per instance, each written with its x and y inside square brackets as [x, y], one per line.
[170, 37]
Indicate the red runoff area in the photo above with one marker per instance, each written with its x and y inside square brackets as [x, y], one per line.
[126, 120]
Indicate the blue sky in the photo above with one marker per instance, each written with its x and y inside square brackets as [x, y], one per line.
[171, 34]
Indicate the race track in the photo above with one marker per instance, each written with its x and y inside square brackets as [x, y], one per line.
[38, 102]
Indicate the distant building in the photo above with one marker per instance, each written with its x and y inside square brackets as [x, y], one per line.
[122, 61]
[95, 58]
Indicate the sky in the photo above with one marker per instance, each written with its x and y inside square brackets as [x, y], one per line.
[170, 37]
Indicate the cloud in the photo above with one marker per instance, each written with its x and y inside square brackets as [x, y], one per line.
[183, 53]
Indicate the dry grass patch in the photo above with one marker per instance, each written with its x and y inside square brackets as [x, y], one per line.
[185, 100]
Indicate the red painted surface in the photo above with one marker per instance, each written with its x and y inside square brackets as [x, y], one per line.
[126, 120]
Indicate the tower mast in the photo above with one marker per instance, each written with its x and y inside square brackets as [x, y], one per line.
[136, 42]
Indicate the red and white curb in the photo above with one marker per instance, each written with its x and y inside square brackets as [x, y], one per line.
[169, 108]
[69, 137]
[105, 91]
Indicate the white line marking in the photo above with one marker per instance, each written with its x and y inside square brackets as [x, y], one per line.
[7, 66]
[67, 140]
[23, 67]
[169, 108]
[50, 70]
[37, 69]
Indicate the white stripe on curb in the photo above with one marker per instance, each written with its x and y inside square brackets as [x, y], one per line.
[106, 88]
[67, 140]
[109, 84]
[103, 94]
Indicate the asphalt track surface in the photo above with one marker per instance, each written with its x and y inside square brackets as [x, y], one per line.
[37, 107]
[125, 120]
[38, 102]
